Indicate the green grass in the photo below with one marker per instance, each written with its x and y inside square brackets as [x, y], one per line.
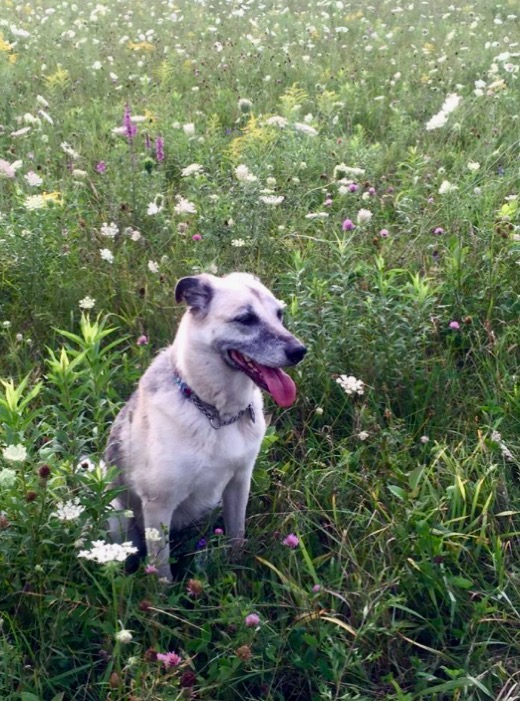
[405, 582]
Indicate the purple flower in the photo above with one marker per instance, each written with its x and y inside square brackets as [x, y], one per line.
[151, 569]
[348, 225]
[197, 237]
[316, 588]
[159, 148]
[202, 544]
[252, 620]
[371, 191]
[147, 142]
[353, 187]
[142, 340]
[169, 659]
[129, 126]
[291, 541]
[384, 233]
[438, 230]
[328, 202]
[218, 531]
[454, 325]
[101, 167]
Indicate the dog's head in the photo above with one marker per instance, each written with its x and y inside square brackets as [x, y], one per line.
[242, 321]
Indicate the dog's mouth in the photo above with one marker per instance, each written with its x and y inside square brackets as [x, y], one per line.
[273, 380]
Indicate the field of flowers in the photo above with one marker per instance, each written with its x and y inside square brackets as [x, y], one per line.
[363, 161]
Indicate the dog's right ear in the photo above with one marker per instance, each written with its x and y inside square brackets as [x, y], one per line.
[196, 292]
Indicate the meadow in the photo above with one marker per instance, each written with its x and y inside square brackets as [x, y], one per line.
[363, 161]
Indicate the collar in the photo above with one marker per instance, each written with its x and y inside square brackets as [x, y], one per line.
[211, 412]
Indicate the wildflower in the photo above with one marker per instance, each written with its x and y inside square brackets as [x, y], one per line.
[238, 243]
[142, 340]
[350, 385]
[8, 170]
[473, 166]
[277, 121]
[252, 620]
[130, 130]
[7, 478]
[15, 453]
[153, 266]
[244, 175]
[69, 510]
[184, 206]
[87, 302]
[154, 208]
[97, 66]
[169, 659]
[159, 149]
[32, 179]
[446, 187]
[317, 215]
[192, 169]
[348, 225]
[273, 200]
[124, 636]
[101, 167]
[152, 535]
[454, 325]
[194, 588]
[44, 471]
[244, 652]
[107, 255]
[69, 150]
[343, 171]
[363, 435]
[440, 119]
[150, 569]
[110, 231]
[424, 439]
[305, 129]
[218, 531]
[316, 588]
[42, 101]
[245, 105]
[438, 230]
[21, 132]
[189, 129]
[364, 216]
[103, 552]
[34, 202]
[318, 411]
[291, 541]
[384, 233]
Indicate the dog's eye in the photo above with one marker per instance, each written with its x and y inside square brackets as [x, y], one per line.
[248, 319]
[279, 314]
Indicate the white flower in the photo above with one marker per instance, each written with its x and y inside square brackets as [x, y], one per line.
[437, 121]
[21, 132]
[154, 208]
[46, 116]
[124, 636]
[34, 202]
[342, 171]
[364, 216]
[7, 478]
[424, 439]
[270, 182]
[87, 303]
[350, 385]
[446, 187]
[440, 119]
[104, 552]
[306, 129]
[363, 435]
[69, 150]
[69, 510]
[277, 121]
[184, 206]
[273, 200]
[106, 254]
[193, 169]
[153, 266]
[33, 179]
[42, 101]
[109, 230]
[473, 166]
[15, 453]
[317, 215]
[79, 174]
[97, 65]
[244, 175]
[189, 129]
[244, 105]
[152, 535]
[238, 243]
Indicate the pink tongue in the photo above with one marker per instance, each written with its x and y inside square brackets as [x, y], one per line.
[279, 384]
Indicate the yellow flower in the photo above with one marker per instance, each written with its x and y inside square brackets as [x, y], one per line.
[141, 46]
[52, 197]
[5, 45]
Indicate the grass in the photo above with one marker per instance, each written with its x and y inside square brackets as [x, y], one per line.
[405, 581]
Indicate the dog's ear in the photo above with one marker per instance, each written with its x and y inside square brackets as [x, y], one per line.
[196, 292]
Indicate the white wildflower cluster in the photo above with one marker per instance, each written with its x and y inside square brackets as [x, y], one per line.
[244, 175]
[184, 206]
[192, 169]
[439, 120]
[272, 200]
[7, 478]
[103, 552]
[15, 453]
[350, 385]
[87, 303]
[69, 510]
[106, 255]
[152, 535]
[446, 187]
[110, 231]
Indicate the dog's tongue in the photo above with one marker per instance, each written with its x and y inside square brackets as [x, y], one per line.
[280, 385]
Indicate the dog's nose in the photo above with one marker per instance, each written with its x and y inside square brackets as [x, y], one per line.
[295, 354]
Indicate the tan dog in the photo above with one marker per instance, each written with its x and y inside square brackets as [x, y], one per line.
[189, 436]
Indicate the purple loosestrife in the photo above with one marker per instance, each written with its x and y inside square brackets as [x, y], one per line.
[128, 125]
[159, 148]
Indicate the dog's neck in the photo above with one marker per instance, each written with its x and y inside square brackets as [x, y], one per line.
[208, 375]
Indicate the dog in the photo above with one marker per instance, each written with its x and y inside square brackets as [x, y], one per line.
[188, 437]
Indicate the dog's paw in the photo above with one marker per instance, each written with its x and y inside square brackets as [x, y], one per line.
[237, 549]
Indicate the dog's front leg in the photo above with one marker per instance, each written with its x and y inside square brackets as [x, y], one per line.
[157, 514]
[234, 502]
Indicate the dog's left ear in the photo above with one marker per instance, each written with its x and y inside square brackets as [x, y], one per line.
[196, 292]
